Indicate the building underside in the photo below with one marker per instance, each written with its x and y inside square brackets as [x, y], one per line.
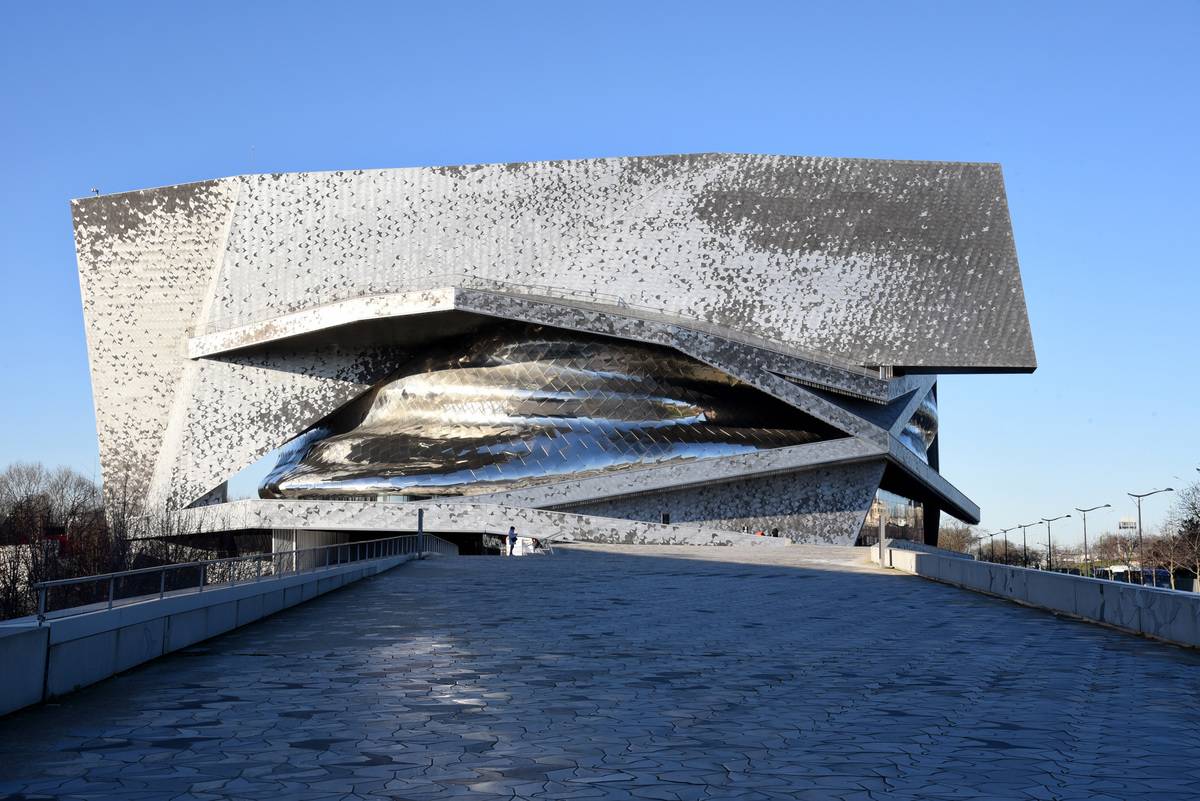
[668, 349]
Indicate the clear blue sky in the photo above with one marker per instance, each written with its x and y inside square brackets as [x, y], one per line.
[1091, 107]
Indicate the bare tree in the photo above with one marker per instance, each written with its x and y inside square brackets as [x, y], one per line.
[1183, 524]
[51, 527]
[956, 536]
[57, 524]
[1067, 556]
[1008, 552]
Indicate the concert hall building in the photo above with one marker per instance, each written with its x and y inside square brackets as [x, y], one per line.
[675, 349]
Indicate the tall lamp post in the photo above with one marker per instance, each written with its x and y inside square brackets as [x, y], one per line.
[1025, 544]
[1049, 544]
[1084, 513]
[1141, 551]
[1004, 532]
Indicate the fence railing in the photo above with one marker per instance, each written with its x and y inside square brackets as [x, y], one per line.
[435, 544]
[106, 591]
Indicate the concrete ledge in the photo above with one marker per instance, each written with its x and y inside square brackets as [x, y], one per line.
[1168, 615]
[78, 663]
[22, 665]
[63, 655]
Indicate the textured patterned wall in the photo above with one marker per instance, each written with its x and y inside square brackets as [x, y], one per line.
[145, 265]
[576, 490]
[826, 504]
[462, 517]
[875, 262]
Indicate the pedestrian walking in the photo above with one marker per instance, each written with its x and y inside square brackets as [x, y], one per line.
[512, 539]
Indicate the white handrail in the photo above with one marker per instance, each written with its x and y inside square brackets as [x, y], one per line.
[333, 555]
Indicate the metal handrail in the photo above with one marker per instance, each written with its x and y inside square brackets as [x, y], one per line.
[181, 565]
[479, 283]
[435, 544]
[365, 550]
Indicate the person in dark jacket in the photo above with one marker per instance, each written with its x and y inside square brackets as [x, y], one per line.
[512, 539]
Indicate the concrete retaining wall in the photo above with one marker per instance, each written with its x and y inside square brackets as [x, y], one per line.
[63, 655]
[1159, 613]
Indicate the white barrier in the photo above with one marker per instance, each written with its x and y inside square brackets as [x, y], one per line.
[65, 654]
[1163, 614]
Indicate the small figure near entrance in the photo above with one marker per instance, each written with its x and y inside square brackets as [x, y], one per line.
[512, 539]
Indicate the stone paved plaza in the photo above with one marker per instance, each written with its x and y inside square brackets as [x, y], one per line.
[633, 673]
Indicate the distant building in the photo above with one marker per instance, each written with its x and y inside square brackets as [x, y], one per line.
[724, 342]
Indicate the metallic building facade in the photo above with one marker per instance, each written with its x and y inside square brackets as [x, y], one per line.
[524, 405]
[705, 342]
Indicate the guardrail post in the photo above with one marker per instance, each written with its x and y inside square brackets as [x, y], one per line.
[112, 582]
[420, 532]
[203, 576]
[257, 569]
[162, 583]
[41, 616]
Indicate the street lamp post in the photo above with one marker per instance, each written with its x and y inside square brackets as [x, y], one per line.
[1084, 513]
[1004, 532]
[1024, 543]
[1049, 544]
[1141, 551]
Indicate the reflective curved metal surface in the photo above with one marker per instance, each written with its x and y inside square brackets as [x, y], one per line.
[921, 430]
[525, 405]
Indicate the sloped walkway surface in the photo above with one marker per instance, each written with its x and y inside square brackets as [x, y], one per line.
[633, 673]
